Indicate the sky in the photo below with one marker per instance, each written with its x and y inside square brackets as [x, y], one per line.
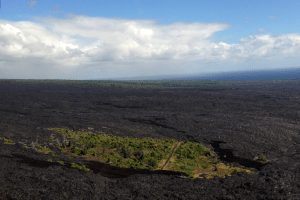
[110, 39]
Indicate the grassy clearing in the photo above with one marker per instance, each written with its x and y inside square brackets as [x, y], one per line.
[193, 159]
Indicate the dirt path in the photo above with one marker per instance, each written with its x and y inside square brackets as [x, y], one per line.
[174, 148]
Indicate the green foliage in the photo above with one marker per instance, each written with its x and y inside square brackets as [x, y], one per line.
[80, 167]
[60, 162]
[191, 158]
[191, 150]
[7, 141]
[143, 153]
[262, 158]
[41, 149]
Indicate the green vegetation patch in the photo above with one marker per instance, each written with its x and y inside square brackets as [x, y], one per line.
[191, 158]
[7, 141]
[41, 149]
[61, 162]
[262, 158]
[125, 152]
[80, 167]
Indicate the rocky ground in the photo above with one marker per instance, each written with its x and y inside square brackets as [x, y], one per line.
[240, 120]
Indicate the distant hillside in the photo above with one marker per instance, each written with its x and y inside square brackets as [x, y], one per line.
[281, 74]
[277, 74]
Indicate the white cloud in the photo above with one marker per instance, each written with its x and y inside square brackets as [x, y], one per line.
[87, 47]
[271, 46]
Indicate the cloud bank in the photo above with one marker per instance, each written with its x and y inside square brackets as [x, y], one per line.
[82, 47]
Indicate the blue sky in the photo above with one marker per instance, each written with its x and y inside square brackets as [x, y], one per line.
[234, 26]
[244, 17]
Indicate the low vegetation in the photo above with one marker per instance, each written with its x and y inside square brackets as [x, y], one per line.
[7, 141]
[262, 158]
[191, 158]
[80, 167]
[41, 149]
[198, 161]
[61, 162]
[125, 152]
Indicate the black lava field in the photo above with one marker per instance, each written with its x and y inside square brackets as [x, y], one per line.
[241, 121]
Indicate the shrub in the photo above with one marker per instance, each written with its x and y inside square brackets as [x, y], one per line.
[8, 141]
[80, 167]
[262, 158]
[41, 149]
